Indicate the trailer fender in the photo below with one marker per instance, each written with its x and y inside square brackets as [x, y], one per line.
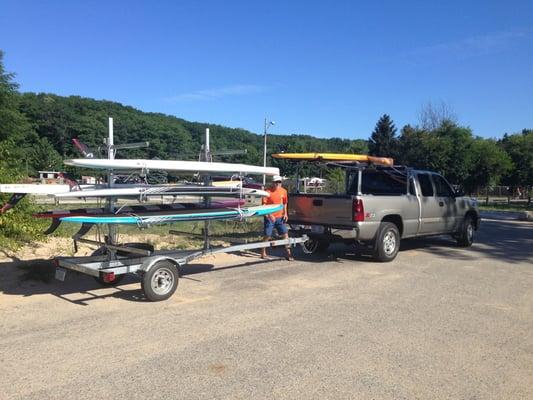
[149, 263]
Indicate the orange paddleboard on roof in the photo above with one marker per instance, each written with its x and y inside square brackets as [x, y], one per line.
[334, 157]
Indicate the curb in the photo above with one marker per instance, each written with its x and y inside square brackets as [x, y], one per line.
[508, 215]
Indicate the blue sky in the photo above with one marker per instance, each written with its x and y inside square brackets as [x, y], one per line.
[321, 68]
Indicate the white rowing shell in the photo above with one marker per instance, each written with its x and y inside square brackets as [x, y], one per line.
[40, 189]
[164, 191]
[170, 165]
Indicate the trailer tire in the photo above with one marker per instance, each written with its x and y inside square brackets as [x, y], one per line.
[160, 281]
[387, 242]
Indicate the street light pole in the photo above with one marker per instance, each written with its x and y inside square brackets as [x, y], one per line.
[265, 131]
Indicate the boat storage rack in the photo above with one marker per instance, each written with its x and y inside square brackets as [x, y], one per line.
[159, 270]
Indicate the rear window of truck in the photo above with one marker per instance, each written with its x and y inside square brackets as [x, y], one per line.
[379, 183]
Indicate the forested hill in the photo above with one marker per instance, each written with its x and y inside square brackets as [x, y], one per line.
[59, 119]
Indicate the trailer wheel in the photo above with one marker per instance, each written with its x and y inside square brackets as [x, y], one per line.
[160, 281]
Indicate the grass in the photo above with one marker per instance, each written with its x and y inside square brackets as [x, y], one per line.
[517, 207]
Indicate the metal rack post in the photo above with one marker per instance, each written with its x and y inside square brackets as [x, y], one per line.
[206, 155]
[112, 231]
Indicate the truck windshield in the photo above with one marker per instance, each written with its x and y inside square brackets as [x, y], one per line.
[379, 183]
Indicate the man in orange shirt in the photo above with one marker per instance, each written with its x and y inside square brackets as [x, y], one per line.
[277, 220]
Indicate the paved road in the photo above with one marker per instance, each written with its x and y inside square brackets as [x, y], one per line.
[438, 323]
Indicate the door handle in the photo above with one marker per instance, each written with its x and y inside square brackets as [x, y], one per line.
[441, 203]
[317, 202]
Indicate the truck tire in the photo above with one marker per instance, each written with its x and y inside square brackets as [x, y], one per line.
[465, 236]
[313, 246]
[160, 281]
[387, 242]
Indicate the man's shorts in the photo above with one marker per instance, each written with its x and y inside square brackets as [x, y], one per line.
[278, 224]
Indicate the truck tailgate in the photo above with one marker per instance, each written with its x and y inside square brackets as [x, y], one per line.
[330, 210]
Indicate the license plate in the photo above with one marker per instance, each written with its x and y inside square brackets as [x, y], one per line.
[316, 228]
[60, 274]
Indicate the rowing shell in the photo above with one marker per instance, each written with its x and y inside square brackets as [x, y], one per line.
[180, 190]
[171, 165]
[334, 157]
[23, 188]
[143, 220]
[145, 209]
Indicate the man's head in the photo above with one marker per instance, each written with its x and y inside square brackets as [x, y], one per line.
[276, 180]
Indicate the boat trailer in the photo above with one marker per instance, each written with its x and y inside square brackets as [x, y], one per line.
[159, 271]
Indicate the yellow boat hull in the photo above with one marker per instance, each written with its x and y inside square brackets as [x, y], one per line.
[334, 157]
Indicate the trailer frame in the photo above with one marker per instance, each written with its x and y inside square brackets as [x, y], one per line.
[159, 270]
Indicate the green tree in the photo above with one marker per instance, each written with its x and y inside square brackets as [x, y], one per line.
[519, 147]
[447, 150]
[454, 151]
[13, 124]
[489, 164]
[18, 225]
[383, 140]
[336, 180]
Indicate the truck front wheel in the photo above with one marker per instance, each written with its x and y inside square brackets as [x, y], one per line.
[387, 242]
[465, 236]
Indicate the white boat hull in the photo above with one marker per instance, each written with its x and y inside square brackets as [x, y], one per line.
[170, 165]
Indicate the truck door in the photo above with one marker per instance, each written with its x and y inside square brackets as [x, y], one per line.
[447, 203]
[431, 210]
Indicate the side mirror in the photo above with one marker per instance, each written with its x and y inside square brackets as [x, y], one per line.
[459, 192]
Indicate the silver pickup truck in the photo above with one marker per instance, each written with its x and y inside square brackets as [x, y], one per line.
[380, 206]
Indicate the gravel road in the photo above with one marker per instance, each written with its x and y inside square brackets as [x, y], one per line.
[439, 322]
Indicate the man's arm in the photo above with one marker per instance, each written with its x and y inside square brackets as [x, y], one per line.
[285, 212]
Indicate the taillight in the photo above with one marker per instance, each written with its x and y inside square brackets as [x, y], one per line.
[108, 277]
[358, 210]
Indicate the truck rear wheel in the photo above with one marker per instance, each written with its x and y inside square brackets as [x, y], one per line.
[312, 246]
[387, 242]
[160, 281]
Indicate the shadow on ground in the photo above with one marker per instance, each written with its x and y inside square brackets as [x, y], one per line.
[504, 241]
[32, 277]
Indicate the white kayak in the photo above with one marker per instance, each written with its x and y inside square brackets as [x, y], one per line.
[170, 165]
[176, 190]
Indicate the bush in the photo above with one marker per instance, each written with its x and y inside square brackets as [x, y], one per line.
[18, 226]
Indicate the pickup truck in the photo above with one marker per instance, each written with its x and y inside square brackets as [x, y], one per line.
[382, 205]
